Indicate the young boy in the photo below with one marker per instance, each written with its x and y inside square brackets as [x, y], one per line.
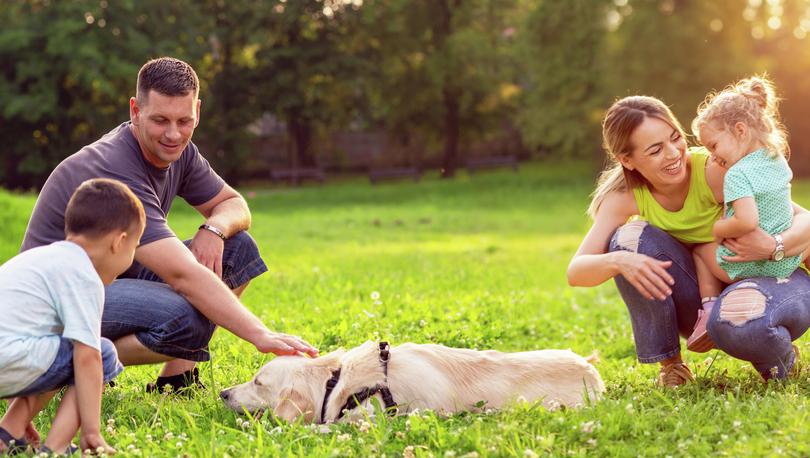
[51, 301]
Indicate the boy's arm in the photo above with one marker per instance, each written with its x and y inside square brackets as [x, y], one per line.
[89, 378]
[744, 220]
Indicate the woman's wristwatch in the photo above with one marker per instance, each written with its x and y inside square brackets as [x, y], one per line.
[778, 252]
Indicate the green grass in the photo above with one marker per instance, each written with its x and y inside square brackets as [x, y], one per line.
[475, 262]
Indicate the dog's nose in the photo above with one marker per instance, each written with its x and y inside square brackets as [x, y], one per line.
[225, 394]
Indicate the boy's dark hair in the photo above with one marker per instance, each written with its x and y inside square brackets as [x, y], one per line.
[167, 75]
[100, 206]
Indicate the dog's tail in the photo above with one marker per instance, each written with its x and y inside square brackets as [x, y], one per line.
[593, 358]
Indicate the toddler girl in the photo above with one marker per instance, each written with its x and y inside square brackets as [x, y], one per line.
[741, 129]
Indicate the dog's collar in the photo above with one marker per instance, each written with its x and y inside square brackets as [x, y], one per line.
[357, 398]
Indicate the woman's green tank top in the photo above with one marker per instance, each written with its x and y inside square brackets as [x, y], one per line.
[692, 223]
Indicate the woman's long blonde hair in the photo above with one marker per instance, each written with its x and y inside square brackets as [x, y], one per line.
[751, 101]
[621, 120]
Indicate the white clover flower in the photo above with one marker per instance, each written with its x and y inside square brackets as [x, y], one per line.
[324, 429]
[364, 426]
[449, 454]
[344, 437]
[422, 323]
[178, 445]
[591, 442]
[589, 426]
[400, 435]
[529, 453]
[408, 452]
[168, 436]
[375, 295]
[737, 423]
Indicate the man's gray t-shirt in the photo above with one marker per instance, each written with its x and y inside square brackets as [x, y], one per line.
[117, 155]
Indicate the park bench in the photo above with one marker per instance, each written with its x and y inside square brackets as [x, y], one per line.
[393, 173]
[491, 162]
[298, 175]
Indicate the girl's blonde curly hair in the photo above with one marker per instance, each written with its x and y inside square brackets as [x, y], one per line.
[751, 101]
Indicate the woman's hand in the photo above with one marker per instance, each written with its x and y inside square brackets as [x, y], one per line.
[756, 245]
[648, 275]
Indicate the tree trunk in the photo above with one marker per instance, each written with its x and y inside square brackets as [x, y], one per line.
[450, 95]
[451, 132]
[300, 132]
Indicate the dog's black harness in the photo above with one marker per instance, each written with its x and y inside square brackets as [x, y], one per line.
[357, 398]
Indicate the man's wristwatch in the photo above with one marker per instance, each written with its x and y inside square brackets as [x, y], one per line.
[778, 252]
[213, 229]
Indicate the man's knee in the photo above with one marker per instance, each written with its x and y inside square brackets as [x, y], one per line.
[190, 331]
[243, 244]
[740, 306]
[241, 260]
[628, 236]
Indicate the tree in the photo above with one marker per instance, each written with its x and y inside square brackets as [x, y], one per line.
[563, 45]
[305, 68]
[68, 71]
[452, 78]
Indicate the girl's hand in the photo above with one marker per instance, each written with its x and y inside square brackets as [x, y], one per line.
[648, 275]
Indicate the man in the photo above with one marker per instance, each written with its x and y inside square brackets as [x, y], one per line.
[148, 321]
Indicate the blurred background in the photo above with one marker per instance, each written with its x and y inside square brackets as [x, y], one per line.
[353, 85]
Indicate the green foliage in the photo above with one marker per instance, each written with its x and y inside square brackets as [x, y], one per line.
[477, 262]
[564, 51]
[449, 77]
[668, 50]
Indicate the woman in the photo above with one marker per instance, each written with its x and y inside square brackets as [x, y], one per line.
[677, 191]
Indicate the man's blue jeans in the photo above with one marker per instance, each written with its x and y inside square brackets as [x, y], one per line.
[754, 319]
[163, 320]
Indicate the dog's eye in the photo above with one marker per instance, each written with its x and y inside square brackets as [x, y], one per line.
[257, 382]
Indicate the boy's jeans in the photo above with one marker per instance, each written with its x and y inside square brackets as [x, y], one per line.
[62, 373]
[754, 319]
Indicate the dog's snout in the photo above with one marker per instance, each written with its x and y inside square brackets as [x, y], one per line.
[225, 394]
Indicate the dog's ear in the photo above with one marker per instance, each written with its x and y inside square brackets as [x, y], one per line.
[330, 361]
[293, 404]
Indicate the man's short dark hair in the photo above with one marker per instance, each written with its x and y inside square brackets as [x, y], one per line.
[100, 206]
[167, 75]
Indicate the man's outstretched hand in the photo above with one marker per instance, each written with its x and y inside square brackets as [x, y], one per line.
[284, 344]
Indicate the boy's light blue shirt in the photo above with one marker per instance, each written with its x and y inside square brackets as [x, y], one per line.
[45, 293]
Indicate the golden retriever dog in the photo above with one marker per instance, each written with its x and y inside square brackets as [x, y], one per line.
[414, 376]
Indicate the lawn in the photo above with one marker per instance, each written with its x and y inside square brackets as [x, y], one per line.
[475, 262]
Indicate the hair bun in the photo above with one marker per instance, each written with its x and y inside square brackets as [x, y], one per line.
[761, 90]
